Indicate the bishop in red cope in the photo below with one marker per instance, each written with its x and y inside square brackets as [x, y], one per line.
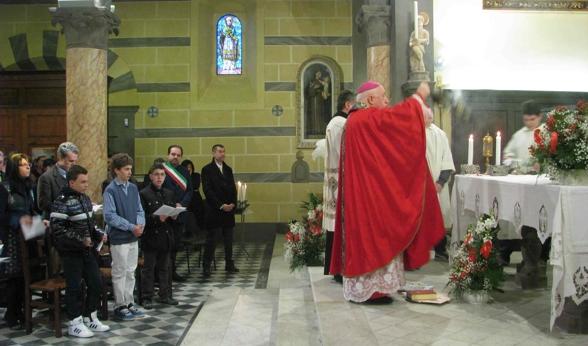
[388, 216]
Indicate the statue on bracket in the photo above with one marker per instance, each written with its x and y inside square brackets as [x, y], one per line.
[418, 41]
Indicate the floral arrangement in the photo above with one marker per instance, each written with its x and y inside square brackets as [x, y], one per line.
[305, 240]
[475, 266]
[562, 143]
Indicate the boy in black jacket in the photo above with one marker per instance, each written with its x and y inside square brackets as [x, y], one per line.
[157, 239]
[75, 236]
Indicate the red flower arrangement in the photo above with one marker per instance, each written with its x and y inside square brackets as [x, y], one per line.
[305, 241]
[475, 265]
[562, 143]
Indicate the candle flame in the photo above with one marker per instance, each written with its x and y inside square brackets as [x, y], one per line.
[498, 134]
[472, 136]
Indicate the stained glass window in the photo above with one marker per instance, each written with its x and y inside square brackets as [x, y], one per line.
[229, 43]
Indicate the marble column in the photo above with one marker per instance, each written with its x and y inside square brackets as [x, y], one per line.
[374, 19]
[86, 33]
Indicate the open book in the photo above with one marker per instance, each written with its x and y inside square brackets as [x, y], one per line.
[166, 210]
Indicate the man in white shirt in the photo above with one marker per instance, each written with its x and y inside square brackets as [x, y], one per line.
[517, 149]
[441, 166]
[517, 153]
[333, 137]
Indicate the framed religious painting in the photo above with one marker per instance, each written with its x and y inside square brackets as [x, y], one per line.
[318, 86]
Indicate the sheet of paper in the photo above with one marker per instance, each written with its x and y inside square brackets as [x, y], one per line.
[36, 229]
[166, 210]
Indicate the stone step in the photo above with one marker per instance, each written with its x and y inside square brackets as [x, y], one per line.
[236, 317]
[212, 321]
[297, 322]
[340, 322]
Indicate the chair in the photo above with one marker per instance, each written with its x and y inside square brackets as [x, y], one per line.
[49, 286]
[198, 243]
[106, 276]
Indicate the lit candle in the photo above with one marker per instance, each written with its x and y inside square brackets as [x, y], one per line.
[239, 191]
[244, 192]
[416, 20]
[498, 145]
[471, 150]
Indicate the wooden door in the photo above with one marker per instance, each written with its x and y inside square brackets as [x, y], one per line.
[32, 112]
[31, 130]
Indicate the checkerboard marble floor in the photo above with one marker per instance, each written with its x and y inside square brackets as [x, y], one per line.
[164, 325]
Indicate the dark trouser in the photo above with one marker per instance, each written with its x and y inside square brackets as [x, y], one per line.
[178, 229]
[156, 263]
[441, 247]
[14, 301]
[328, 251]
[211, 243]
[75, 269]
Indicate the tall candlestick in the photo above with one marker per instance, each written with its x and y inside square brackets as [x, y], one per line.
[498, 148]
[471, 150]
[416, 20]
[239, 191]
[244, 192]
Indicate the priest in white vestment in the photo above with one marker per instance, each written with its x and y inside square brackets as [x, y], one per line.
[441, 166]
[517, 155]
[517, 149]
[333, 136]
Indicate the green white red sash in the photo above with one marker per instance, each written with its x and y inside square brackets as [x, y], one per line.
[176, 176]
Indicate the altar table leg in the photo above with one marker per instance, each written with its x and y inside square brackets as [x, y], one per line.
[574, 318]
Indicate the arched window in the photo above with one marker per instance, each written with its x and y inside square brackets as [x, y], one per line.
[229, 43]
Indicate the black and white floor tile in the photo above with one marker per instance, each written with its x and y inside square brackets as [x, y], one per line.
[165, 325]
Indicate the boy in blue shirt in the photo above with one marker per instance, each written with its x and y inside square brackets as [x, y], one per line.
[125, 218]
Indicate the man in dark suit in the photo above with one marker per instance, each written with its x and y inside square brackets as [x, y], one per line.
[177, 179]
[49, 187]
[219, 189]
[53, 180]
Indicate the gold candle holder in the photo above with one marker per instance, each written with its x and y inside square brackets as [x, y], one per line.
[487, 150]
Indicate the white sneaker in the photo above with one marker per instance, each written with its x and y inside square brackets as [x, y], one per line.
[94, 324]
[77, 328]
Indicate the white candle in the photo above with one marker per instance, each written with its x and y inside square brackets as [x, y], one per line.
[239, 191]
[471, 150]
[416, 20]
[244, 192]
[498, 146]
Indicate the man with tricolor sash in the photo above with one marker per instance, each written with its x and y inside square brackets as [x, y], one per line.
[177, 179]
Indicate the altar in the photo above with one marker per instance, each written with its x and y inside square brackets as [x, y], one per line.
[534, 201]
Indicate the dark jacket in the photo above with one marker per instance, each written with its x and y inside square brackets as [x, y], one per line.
[197, 204]
[16, 200]
[49, 187]
[158, 236]
[72, 220]
[182, 196]
[219, 188]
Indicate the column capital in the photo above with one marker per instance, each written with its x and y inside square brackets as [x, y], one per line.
[86, 27]
[374, 19]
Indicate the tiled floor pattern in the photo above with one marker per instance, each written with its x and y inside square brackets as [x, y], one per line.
[164, 325]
